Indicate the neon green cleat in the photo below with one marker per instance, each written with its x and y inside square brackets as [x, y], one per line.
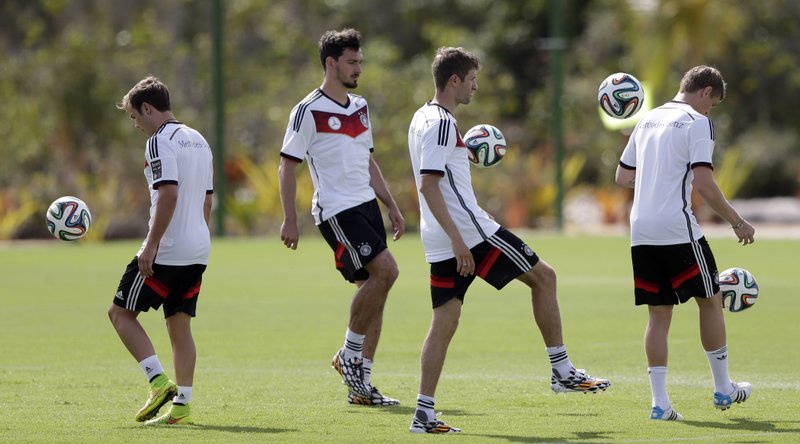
[162, 390]
[177, 415]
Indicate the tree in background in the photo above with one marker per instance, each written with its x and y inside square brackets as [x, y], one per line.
[65, 65]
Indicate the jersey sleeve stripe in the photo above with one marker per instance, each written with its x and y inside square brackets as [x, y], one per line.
[301, 110]
[290, 157]
[711, 129]
[444, 128]
[702, 164]
[627, 167]
[152, 146]
[434, 172]
[164, 182]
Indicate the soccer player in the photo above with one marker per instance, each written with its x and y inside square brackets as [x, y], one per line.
[462, 241]
[169, 266]
[331, 128]
[668, 155]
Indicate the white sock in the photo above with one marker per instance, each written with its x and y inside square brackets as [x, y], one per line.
[425, 406]
[658, 386]
[151, 367]
[559, 360]
[367, 371]
[718, 360]
[184, 396]
[353, 343]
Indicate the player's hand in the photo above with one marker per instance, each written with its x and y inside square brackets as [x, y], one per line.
[290, 235]
[398, 223]
[465, 263]
[146, 259]
[745, 233]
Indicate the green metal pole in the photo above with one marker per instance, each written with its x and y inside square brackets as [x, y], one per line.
[218, 20]
[557, 46]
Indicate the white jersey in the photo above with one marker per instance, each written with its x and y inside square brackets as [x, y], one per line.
[436, 147]
[177, 154]
[664, 147]
[337, 141]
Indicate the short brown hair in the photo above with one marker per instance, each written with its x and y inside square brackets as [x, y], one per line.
[703, 76]
[449, 61]
[333, 43]
[150, 90]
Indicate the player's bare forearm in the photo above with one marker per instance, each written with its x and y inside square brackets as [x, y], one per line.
[290, 235]
[708, 189]
[435, 201]
[625, 177]
[207, 209]
[384, 195]
[165, 208]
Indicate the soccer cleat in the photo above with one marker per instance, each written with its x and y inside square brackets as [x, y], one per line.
[352, 373]
[162, 390]
[436, 426]
[665, 415]
[577, 381]
[377, 399]
[177, 415]
[741, 392]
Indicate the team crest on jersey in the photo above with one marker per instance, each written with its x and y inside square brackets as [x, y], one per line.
[334, 123]
[155, 167]
[528, 250]
[364, 120]
[365, 249]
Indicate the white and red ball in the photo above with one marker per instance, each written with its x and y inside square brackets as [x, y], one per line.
[486, 145]
[739, 289]
[620, 95]
[68, 218]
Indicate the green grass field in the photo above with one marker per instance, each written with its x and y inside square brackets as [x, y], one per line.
[269, 320]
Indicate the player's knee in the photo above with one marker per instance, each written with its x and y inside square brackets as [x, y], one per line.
[116, 315]
[543, 275]
[386, 271]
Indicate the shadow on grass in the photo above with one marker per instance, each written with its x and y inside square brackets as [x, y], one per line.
[408, 410]
[746, 424]
[579, 437]
[240, 429]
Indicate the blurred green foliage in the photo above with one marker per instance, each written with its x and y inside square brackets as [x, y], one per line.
[65, 64]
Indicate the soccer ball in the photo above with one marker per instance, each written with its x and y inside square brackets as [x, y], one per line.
[68, 218]
[486, 145]
[739, 289]
[620, 95]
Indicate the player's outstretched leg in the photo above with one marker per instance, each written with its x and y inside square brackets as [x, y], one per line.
[162, 390]
[352, 373]
[177, 415]
[741, 392]
[665, 415]
[577, 380]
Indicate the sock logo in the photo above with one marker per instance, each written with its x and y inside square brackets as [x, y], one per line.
[180, 396]
[148, 369]
[722, 358]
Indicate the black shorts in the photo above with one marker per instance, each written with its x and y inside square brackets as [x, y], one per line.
[672, 274]
[356, 236]
[498, 260]
[177, 287]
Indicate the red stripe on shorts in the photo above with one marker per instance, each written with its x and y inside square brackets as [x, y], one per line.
[158, 287]
[190, 293]
[685, 275]
[338, 255]
[488, 261]
[650, 287]
[440, 282]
